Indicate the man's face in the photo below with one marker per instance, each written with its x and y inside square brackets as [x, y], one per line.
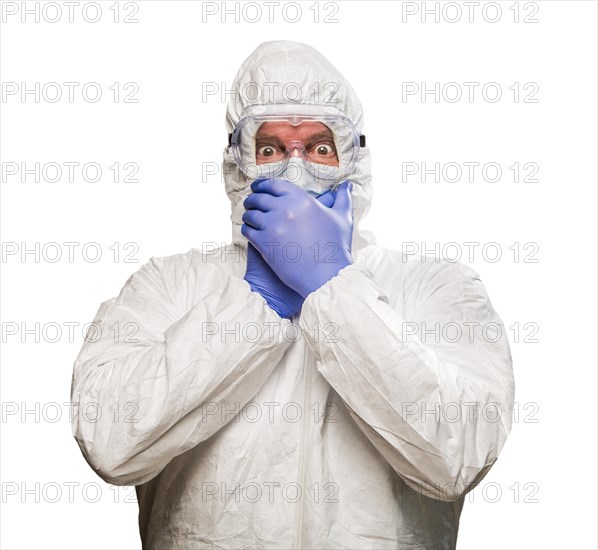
[273, 138]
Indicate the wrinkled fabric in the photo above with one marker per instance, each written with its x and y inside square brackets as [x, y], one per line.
[241, 429]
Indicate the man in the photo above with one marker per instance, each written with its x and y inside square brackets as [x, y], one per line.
[301, 388]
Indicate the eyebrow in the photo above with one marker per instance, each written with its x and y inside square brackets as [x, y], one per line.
[321, 135]
[269, 139]
[317, 137]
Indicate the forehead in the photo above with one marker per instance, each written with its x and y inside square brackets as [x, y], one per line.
[285, 130]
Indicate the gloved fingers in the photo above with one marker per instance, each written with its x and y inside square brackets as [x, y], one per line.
[251, 234]
[327, 199]
[259, 201]
[275, 187]
[254, 218]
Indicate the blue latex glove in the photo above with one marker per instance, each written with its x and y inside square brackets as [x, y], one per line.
[282, 299]
[304, 241]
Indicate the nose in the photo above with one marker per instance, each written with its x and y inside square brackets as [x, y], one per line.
[296, 148]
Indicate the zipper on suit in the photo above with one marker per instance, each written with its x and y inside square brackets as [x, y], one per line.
[304, 425]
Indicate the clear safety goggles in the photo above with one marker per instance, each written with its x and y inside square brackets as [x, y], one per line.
[329, 149]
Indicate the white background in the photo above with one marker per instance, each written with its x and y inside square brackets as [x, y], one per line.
[170, 53]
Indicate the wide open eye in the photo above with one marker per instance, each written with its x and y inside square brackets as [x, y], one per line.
[267, 151]
[323, 151]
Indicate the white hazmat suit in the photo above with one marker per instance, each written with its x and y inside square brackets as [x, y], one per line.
[361, 423]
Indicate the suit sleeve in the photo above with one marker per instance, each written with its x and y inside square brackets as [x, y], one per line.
[159, 374]
[431, 387]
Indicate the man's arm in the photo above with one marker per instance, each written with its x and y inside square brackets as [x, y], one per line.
[161, 386]
[393, 378]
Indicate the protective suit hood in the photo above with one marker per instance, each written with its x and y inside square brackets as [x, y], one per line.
[283, 72]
